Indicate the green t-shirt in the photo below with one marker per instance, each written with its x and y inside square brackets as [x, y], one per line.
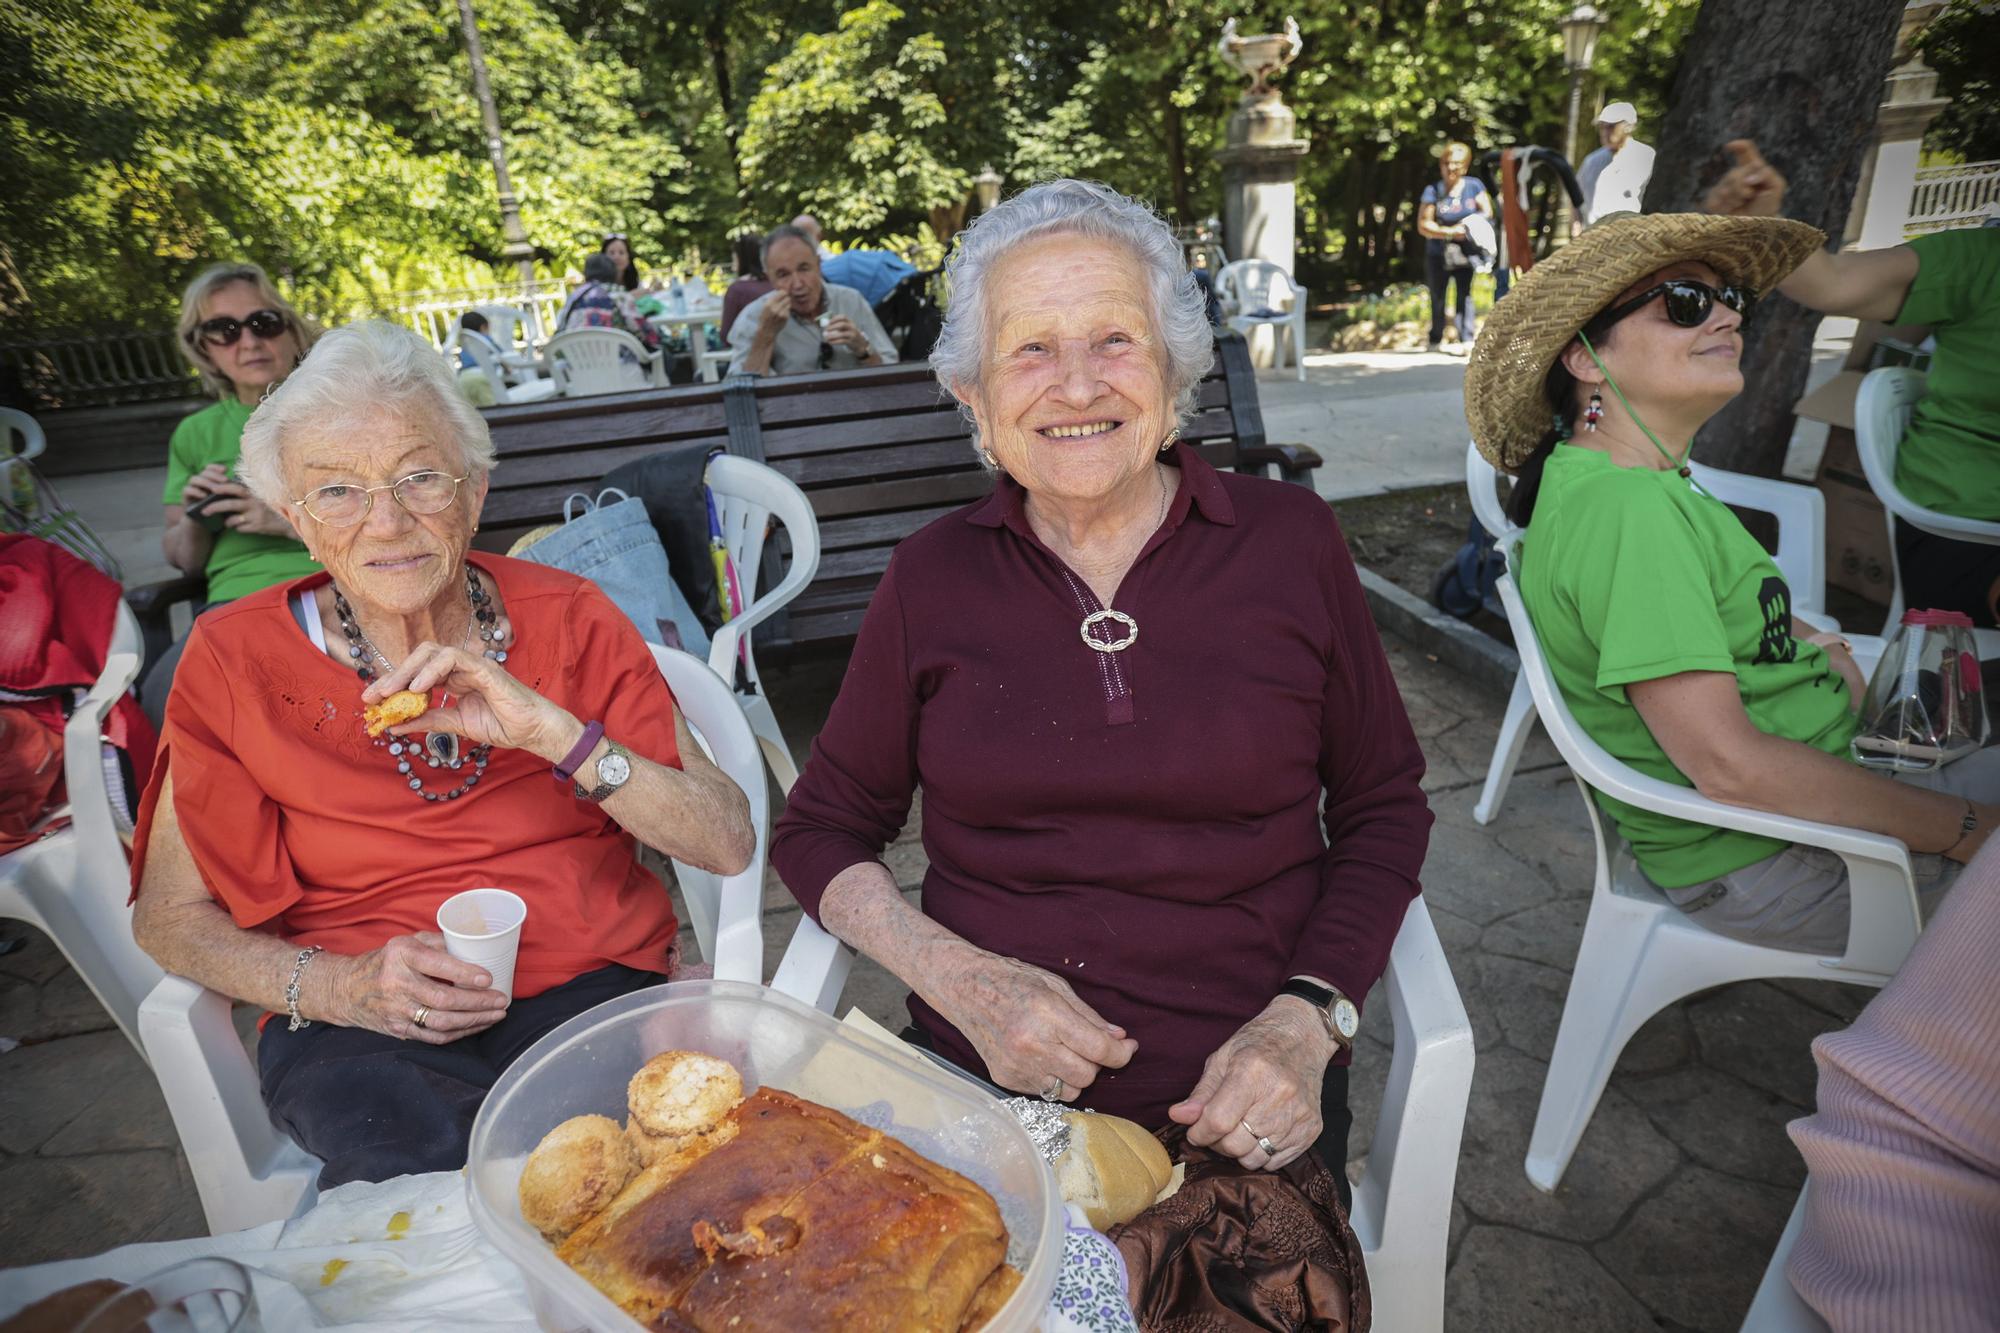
[239, 563]
[1950, 456]
[1632, 574]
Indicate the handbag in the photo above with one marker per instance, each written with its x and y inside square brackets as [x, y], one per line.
[612, 543]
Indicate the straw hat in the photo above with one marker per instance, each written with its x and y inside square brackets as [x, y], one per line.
[1548, 305]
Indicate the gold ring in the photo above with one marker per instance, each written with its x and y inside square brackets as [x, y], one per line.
[423, 1012]
[1053, 1093]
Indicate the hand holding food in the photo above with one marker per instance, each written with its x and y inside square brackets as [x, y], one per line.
[488, 706]
[402, 706]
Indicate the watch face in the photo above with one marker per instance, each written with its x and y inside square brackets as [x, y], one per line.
[613, 769]
[1346, 1018]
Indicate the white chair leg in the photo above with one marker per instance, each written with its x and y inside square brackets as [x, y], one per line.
[1515, 728]
[814, 968]
[777, 752]
[1599, 1017]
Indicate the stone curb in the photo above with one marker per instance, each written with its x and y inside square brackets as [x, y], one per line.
[1451, 641]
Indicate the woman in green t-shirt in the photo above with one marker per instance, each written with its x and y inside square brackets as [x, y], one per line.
[243, 338]
[1949, 458]
[1667, 627]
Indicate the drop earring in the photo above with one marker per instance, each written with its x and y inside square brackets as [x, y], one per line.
[1593, 411]
[1172, 437]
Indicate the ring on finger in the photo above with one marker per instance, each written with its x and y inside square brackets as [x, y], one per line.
[1270, 1148]
[1053, 1092]
[423, 1012]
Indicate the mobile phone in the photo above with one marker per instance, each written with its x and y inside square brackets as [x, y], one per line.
[199, 511]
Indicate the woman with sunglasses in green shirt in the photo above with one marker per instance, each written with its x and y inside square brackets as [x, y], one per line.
[242, 337]
[1668, 628]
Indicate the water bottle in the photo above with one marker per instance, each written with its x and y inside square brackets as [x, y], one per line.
[1926, 703]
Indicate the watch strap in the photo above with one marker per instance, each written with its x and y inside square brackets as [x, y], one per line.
[1320, 997]
[592, 734]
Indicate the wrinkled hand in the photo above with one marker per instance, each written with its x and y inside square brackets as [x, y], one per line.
[841, 329]
[1751, 188]
[1029, 1026]
[382, 991]
[252, 515]
[1267, 1075]
[776, 311]
[488, 706]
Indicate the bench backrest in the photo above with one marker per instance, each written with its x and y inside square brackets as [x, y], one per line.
[879, 452]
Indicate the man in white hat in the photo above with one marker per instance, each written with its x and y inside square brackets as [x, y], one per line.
[1614, 176]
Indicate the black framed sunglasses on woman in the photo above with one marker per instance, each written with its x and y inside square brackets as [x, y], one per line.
[223, 330]
[1689, 302]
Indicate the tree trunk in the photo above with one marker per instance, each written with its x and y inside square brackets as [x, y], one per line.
[1176, 143]
[1804, 82]
[716, 38]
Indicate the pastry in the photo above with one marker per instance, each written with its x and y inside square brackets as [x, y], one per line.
[782, 1214]
[401, 706]
[580, 1166]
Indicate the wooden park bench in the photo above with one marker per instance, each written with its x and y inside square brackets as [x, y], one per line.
[880, 452]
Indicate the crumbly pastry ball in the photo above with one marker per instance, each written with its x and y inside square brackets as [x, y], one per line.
[577, 1168]
[679, 1093]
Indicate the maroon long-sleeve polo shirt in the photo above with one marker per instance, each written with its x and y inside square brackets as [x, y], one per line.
[1145, 824]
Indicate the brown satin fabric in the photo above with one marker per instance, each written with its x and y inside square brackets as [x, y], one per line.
[1238, 1250]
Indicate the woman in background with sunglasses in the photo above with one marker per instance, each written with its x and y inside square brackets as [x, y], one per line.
[1668, 628]
[242, 338]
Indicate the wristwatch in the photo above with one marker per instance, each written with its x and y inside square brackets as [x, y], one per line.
[1342, 1019]
[613, 770]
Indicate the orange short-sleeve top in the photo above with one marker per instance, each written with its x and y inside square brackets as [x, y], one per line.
[301, 825]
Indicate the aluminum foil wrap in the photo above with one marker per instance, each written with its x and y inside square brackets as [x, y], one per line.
[1044, 1123]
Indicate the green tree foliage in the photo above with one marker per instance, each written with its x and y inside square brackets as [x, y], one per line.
[338, 142]
[1963, 45]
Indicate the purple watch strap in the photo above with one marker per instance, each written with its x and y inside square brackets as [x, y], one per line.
[592, 734]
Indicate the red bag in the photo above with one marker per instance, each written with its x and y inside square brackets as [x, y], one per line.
[30, 775]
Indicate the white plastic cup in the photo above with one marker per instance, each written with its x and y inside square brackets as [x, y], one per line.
[483, 927]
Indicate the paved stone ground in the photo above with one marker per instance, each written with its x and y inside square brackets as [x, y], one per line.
[1664, 1221]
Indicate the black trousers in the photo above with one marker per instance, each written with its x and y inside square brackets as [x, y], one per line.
[372, 1107]
[1945, 575]
[1438, 277]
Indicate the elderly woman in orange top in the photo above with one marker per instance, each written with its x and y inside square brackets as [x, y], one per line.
[286, 858]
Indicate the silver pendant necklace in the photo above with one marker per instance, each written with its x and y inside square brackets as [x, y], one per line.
[1123, 629]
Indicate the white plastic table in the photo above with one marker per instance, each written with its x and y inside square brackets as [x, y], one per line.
[696, 320]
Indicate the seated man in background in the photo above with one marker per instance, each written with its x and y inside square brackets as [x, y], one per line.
[804, 323]
[472, 327]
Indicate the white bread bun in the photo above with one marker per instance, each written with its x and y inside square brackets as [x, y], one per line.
[1113, 1169]
[577, 1168]
[678, 1093]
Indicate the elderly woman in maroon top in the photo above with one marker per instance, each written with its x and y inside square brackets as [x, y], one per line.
[1125, 683]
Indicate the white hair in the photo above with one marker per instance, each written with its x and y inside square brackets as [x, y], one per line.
[353, 375]
[1075, 208]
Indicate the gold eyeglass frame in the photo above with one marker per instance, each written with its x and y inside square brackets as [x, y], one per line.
[368, 497]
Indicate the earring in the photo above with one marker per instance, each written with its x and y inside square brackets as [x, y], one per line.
[1172, 436]
[988, 457]
[1593, 411]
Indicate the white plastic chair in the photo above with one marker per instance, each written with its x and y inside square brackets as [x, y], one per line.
[1778, 1307]
[72, 882]
[245, 1169]
[1402, 1206]
[1801, 558]
[1640, 953]
[483, 356]
[1257, 284]
[1882, 412]
[591, 361]
[747, 496]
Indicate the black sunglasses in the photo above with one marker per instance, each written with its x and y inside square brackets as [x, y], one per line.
[223, 331]
[1689, 303]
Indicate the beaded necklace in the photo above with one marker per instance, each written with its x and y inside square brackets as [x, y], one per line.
[440, 749]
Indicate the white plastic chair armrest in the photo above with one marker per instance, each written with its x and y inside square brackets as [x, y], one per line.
[814, 968]
[83, 752]
[1413, 1158]
[1817, 619]
[739, 932]
[725, 642]
[1778, 1308]
[1801, 514]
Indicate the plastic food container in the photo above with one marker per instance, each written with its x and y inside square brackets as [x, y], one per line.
[583, 1066]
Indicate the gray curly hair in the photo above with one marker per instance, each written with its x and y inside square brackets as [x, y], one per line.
[1074, 208]
[355, 373]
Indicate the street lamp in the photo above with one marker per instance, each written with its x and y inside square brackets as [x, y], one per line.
[986, 186]
[1579, 29]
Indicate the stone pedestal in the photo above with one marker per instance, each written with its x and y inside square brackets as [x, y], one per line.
[1260, 168]
[1889, 178]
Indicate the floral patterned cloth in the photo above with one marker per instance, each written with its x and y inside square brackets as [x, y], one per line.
[1090, 1289]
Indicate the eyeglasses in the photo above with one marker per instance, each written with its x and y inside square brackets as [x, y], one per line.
[344, 506]
[1689, 303]
[223, 331]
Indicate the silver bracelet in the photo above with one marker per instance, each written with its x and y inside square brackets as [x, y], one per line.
[292, 988]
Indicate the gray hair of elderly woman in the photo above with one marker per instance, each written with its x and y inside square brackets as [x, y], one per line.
[600, 267]
[356, 375]
[1075, 208]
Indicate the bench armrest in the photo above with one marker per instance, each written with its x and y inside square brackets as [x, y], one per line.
[1293, 460]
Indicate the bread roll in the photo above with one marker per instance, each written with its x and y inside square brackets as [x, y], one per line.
[1112, 1170]
[578, 1168]
[678, 1093]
